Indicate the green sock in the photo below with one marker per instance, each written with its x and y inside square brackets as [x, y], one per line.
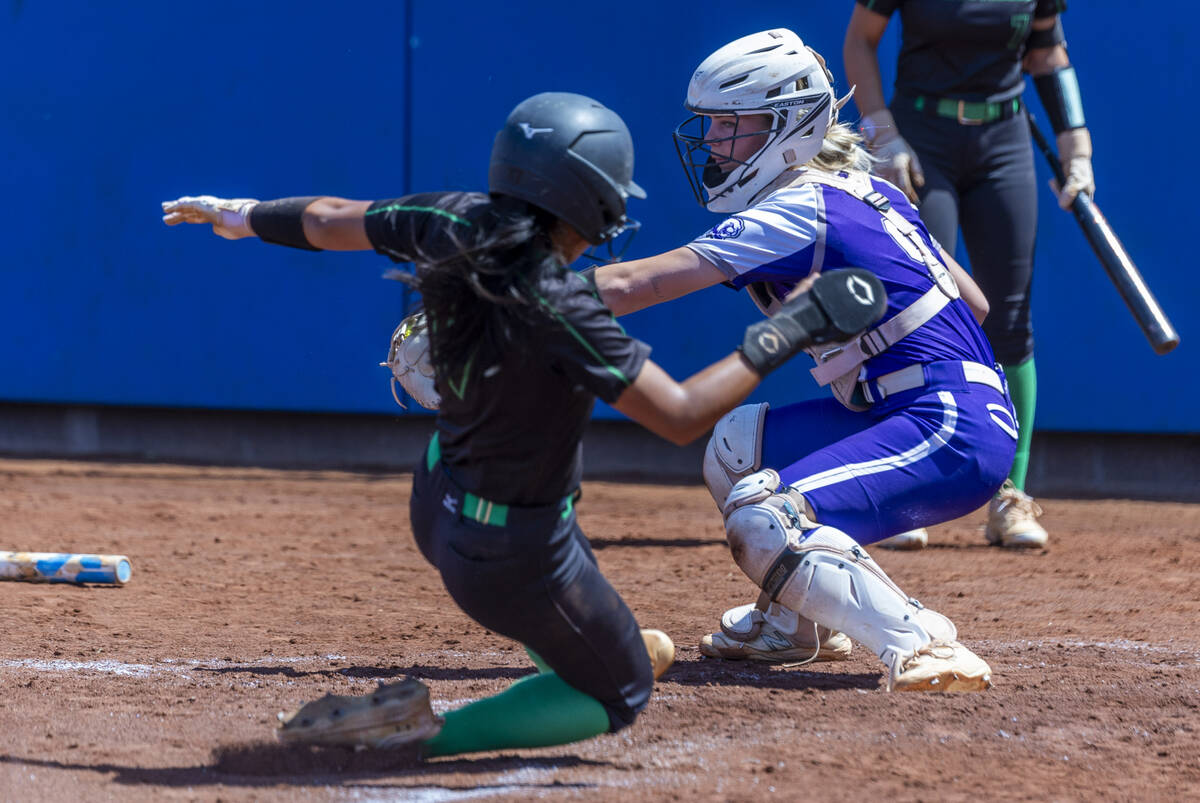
[536, 711]
[1022, 385]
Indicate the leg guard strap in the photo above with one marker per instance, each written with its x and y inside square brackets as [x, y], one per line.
[822, 574]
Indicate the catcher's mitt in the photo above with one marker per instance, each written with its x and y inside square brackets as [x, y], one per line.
[394, 714]
[408, 357]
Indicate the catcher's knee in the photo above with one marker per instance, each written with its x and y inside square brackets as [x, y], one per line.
[734, 450]
[764, 520]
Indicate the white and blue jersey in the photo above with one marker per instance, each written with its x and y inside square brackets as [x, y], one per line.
[812, 227]
[932, 448]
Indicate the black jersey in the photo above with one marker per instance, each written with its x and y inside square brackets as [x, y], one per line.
[510, 427]
[964, 49]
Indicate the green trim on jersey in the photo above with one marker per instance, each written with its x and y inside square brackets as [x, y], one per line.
[612, 369]
[462, 384]
[430, 209]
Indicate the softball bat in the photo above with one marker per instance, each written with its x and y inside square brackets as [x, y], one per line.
[1115, 259]
[65, 567]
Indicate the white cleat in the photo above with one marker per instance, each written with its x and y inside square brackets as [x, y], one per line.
[908, 540]
[1012, 520]
[779, 636]
[940, 666]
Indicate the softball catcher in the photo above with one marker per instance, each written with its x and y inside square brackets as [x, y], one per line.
[518, 347]
[921, 429]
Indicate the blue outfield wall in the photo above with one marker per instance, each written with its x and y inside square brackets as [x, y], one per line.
[109, 109]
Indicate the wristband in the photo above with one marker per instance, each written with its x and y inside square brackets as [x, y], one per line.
[840, 304]
[769, 344]
[1059, 92]
[282, 222]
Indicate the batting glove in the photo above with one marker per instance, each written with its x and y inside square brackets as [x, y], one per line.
[1075, 153]
[898, 163]
[230, 217]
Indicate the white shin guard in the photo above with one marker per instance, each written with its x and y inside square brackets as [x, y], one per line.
[823, 574]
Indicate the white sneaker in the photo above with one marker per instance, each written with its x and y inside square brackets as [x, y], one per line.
[777, 636]
[1012, 519]
[908, 540]
[940, 666]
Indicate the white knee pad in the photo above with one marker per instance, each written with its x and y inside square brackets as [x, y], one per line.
[734, 450]
[762, 525]
[823, 574]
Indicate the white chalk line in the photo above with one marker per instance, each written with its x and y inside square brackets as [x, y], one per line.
[167, 666]
[184, 666]
[526, 782]
[522, 781]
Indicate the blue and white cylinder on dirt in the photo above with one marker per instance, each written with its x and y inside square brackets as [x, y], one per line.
[65, 567]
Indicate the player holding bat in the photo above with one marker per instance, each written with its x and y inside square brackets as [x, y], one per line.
[955, 138]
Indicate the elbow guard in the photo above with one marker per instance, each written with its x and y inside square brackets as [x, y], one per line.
[1059, 92]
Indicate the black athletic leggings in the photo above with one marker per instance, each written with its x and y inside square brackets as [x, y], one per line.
[981, 177]
[535, 580]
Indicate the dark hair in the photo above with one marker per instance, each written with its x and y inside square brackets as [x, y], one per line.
[480, 297]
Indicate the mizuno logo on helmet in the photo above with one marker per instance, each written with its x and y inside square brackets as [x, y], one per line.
[530, 132]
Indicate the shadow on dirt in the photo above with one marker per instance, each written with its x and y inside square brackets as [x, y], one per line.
[272, 764]
[715, 672]
[376, 672]
[666, 543]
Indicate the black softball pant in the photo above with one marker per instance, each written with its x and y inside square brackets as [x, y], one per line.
[535, 580]
[981, 177]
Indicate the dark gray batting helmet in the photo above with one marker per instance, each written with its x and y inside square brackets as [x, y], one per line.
[571, 156]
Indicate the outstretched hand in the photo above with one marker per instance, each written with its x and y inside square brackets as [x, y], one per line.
[230, 217]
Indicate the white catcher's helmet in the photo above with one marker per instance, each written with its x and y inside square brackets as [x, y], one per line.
[773, 73]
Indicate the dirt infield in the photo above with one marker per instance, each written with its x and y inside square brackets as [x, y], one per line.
[254, 591]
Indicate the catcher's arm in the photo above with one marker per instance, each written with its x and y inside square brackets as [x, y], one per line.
[627, 287]
[328, 223]
[827, 308]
